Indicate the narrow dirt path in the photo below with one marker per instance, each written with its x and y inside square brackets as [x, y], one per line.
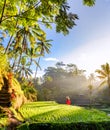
[13, 122]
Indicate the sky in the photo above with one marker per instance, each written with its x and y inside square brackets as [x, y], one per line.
[88, 44]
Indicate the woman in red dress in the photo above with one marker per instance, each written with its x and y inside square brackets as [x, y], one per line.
[68, 101]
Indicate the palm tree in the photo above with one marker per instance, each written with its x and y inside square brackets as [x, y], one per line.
[104, 74]
[23, 70]
[32, 54]
[30, 42]
[43, 47]
[90, 87]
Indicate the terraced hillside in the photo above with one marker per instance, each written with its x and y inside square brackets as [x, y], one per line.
[53, 112]
[53, 116]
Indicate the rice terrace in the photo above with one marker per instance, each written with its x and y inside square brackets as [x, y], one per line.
[51, 115]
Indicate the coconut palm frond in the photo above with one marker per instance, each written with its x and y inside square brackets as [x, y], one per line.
[101, 72]
[101, 77]
[106, 68]
[104, 73]
[103, 83]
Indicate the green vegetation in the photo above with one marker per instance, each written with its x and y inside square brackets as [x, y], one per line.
[22, 27]
[68, 80]
[41, 114]
[107, 110]
[29, 90]
[104, 74]
[7, 84]
[51, 113]
[23, 23]
[3, 121]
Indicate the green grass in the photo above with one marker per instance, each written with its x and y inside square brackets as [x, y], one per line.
[54, 113]
[107, 110]
[47, 112]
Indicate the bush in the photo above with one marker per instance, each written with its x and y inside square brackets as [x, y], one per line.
[29, 90]
[67, 126]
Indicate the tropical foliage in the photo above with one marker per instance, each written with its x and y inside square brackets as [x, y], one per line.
[8, 83]
[3, 67]
[104, 74]
[22, 25]
[29, 90]
[91, 86]
[68, 79]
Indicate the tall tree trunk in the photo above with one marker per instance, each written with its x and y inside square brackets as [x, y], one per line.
[39, 61]
[37, 68]
[3, 11]
[9, 43]
[14, 64]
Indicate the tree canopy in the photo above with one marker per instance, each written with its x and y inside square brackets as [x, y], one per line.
[22, 28]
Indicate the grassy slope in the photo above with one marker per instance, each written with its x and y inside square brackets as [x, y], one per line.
[53, 112]
[47, 112]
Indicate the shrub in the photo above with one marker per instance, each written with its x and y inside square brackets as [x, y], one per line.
[67, 126]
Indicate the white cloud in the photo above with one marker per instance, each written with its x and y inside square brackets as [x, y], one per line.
[51, 59]
[40, 73]
[90, 56]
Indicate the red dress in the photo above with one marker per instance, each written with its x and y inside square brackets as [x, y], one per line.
[68, 102]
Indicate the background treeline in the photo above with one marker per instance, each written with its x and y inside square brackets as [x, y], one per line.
[68, 80]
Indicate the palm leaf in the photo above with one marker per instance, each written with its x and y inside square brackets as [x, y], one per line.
[101, 77]
[89, 2]
[103, 83]
[37, 64]
[101, 72]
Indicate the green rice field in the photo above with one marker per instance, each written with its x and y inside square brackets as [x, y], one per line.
[53, 116]
[53, 112]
